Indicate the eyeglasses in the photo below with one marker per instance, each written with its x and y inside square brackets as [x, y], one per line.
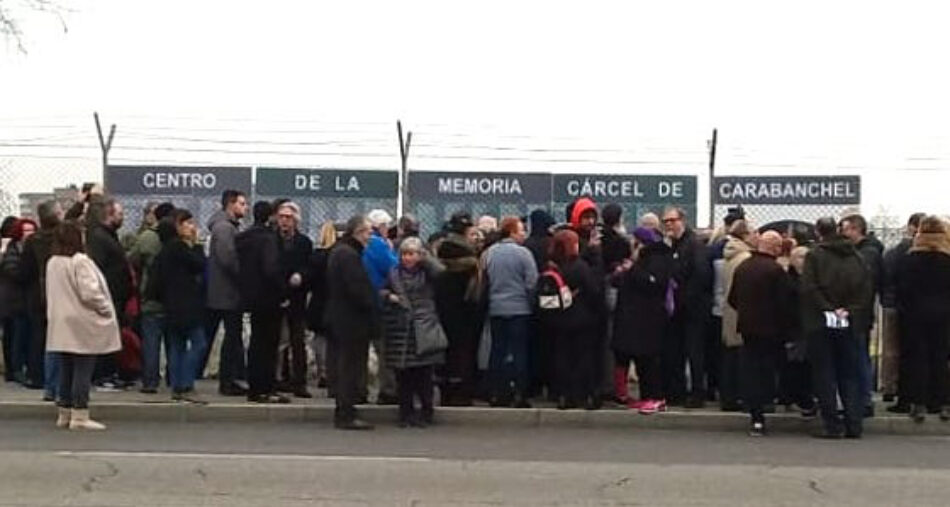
[285, 216]
[670, 220]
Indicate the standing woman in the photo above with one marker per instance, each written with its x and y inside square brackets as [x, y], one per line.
[643, 315]
[13, 299]
[923, 293]
[181, 269]
[576, 351]
[415, 340]
[82, 323]
[318, 299]
[458, 298]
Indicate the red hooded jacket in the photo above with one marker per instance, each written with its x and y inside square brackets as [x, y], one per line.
[582, 205]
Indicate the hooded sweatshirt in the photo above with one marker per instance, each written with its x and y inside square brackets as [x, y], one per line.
[540, 239]
[223, 266]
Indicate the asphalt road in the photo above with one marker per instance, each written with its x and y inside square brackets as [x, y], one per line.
[233, 464]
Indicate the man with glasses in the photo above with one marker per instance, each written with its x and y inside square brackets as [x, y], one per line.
[693, 302]
[855, 229]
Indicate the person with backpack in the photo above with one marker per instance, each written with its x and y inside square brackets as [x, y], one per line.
[644, 309]
[181, 269]
[577, 294]
[145, 251]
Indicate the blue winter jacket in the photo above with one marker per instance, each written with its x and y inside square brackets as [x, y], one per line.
[378, 259]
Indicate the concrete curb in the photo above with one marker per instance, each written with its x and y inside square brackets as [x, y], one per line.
[469, 416]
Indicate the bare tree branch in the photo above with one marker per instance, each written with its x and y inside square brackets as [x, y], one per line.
[10, 21]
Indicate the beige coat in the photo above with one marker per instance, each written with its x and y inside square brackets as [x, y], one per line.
[82, 319]
[735, 253]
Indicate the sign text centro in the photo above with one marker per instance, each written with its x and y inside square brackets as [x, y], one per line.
[617, 187]
[176, 180]
[845, 190]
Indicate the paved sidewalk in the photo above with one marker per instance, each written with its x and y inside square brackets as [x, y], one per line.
[17, 402]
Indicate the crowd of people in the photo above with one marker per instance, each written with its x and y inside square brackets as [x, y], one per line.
[562, 311]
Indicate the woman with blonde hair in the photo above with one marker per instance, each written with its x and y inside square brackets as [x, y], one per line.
[82, 323]
[318, 295]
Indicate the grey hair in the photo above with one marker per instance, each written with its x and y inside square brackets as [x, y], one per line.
[411, 244]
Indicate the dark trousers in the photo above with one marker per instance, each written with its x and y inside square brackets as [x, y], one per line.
[649, 376]
[685, 345]
[576, 355]
[835, 356]
[350, 353]
[729, 377]
[713, 354]
[415, 383]
[757, 366]
[233, 363]
[795, 381]
[262, 353]
[461, 365]
[75, 380]
[508, 366]
[36, 357]
[928, 347]
[296, 326]
[8, 362]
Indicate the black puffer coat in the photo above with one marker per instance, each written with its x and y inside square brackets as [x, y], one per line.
[416, 290]
[641, 318]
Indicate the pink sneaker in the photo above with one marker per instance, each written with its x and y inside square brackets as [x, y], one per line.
[636, 404]
[652, 407]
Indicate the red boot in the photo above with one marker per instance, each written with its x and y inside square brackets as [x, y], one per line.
[621, 389]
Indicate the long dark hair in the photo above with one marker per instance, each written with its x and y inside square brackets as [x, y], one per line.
[67, 239]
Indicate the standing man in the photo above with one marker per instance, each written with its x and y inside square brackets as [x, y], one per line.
[379, 259]
[36, 253]
[855, 229]
[512, 277]
[762, 296]
[262, 287]
[693, 296]
[892, 364]
[352, 317]
[295, 250]
[147, 247]
[224, 296]
[836, 292]
[103, 221]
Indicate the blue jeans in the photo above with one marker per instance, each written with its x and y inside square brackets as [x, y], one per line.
[153, 334]
[186, 347]
[52, 366]
[508, 366]
[20, 348]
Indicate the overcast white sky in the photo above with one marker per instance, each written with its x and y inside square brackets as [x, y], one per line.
[808, 87]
